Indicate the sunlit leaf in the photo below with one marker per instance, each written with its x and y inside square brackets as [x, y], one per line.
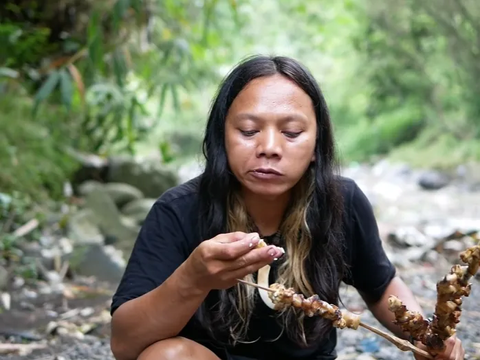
[77, 77]
[163, 96]
[176, 103]
[208, 13]
[131, 122]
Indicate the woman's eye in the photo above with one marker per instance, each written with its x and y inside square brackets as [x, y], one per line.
[248, 132]
[292, 134]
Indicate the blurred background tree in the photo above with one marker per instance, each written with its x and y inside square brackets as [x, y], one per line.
[95, 76]
[132, 76]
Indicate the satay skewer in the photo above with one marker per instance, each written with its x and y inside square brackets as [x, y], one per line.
[353, 321]
[448, 308]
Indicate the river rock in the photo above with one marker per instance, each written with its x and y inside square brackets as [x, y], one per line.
[469, 174]
[112, 224]
[186, 143]
[138, 209]
[407, 236]
[102, 261]
[122, 194]
[88, 186]
[433, 180]
[91, 167]
[83, 227]
[150, 176]
[3, 278]
[190, 170]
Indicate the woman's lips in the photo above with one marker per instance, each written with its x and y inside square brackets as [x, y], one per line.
[266, 173]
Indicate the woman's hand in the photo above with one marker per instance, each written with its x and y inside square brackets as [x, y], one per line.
[218, 263]
[453, 350]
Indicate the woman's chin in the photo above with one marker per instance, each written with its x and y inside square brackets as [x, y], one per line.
[268, 191]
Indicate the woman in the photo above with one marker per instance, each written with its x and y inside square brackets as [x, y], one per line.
[270, 174]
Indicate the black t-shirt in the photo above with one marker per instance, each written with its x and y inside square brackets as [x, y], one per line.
[169, 235]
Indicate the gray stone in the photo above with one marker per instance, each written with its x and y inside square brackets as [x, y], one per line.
[433, 180]
[3, 278]
[91, 167]
[454, 245]
[410, 236]
[101, 261]
[88, 186]
[118, 228]
[190, 170]
[122, 194]
[83, 227]
[138, 209]
[150, 176]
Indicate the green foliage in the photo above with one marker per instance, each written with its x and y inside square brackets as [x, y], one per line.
[99, 80]
[32, 154]
[22, 46]
[440, 151]
[128, 55]
[400, 77]
[420, 62]
[15, 210]
[366, 139]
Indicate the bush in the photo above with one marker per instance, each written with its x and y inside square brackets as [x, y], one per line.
[32, 153]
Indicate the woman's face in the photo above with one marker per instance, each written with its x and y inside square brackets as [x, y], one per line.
[270, 134]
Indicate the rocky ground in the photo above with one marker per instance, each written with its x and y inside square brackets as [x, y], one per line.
[63, 313]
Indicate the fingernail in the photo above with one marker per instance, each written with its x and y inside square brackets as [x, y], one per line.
[271, 252]
[253, 238]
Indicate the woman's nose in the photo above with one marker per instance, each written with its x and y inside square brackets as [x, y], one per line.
[269, 144]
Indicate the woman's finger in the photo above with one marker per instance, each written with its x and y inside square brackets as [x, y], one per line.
[250, 269]
[231, 237]
[263, 255]
[458, 352]
[232, 250]
[451, 346]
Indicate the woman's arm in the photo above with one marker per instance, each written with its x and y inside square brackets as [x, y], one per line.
[155, 298]
[157, 315]
[380, 308]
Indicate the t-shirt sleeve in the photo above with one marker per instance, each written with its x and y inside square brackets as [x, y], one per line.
[370, 269]
[158, 251]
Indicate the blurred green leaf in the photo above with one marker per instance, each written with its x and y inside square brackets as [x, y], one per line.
[46, 89]
[176, 102]
[163, 96]
[119, 67]
[95, 41]
[119, 10]
[66, 88]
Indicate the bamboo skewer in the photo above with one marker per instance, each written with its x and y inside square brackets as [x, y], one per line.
[401, 344]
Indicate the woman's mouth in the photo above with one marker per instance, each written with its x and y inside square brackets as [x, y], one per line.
[266, 173]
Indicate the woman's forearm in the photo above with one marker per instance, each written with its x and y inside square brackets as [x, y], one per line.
[380, 309]
[157, 315]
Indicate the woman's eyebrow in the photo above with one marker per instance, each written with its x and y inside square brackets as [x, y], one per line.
[258, 118]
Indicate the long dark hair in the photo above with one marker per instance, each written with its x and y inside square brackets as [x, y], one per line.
[323, 265]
